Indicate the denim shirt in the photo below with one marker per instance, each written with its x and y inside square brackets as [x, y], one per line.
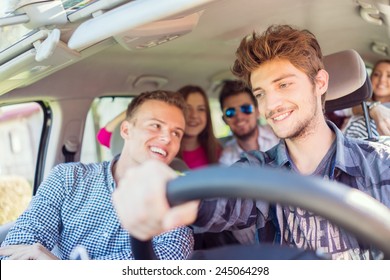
[359, 164]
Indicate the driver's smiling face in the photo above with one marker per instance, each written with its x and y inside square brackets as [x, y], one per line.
[155, 131]
[286, 97]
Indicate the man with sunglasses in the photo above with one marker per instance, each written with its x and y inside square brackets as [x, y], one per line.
[241, 114]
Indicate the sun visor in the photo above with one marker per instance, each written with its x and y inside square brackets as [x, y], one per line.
[131, 16]
[33, 58]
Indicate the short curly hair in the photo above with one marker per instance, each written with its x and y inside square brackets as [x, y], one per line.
[169, 97]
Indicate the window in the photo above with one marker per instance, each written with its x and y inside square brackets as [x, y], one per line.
[20, 132]
[102, 111]
[221, 129]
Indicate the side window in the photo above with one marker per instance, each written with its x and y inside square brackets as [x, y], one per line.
[221, 129]
[20, 132]
[102, 111]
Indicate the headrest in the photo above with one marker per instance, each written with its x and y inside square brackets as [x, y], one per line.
[116, 141]
[349, 83]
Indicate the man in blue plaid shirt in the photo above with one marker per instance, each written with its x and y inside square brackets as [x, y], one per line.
[285, 69]
[73, 208]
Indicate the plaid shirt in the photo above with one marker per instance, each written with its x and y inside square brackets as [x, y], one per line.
[73, 208]
[359, 164]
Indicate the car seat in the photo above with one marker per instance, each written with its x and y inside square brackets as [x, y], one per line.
[347, 71]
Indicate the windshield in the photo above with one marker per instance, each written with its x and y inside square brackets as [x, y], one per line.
[11, 34]
[76, 4]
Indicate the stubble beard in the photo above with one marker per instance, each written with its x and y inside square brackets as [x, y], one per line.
[246, 136]
[304, 127]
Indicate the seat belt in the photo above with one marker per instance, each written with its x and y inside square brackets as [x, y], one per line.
[367, 120]
[69, 149]
[270, 233]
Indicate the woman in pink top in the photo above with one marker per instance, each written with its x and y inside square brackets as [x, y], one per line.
[199, 146]
[105, 133]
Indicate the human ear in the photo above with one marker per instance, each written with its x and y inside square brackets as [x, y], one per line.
[322, 81]
[125, 129]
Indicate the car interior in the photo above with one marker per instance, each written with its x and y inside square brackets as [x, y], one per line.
[67, 67]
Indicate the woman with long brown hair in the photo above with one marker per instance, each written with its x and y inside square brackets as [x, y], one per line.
[199, 146]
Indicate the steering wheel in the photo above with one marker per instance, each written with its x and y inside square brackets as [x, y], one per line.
[351, 209]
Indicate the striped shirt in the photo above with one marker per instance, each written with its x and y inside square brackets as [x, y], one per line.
[359, 164]
[356, 128]
[73, 208]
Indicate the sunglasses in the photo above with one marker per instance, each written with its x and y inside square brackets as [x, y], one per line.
[246, 109]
